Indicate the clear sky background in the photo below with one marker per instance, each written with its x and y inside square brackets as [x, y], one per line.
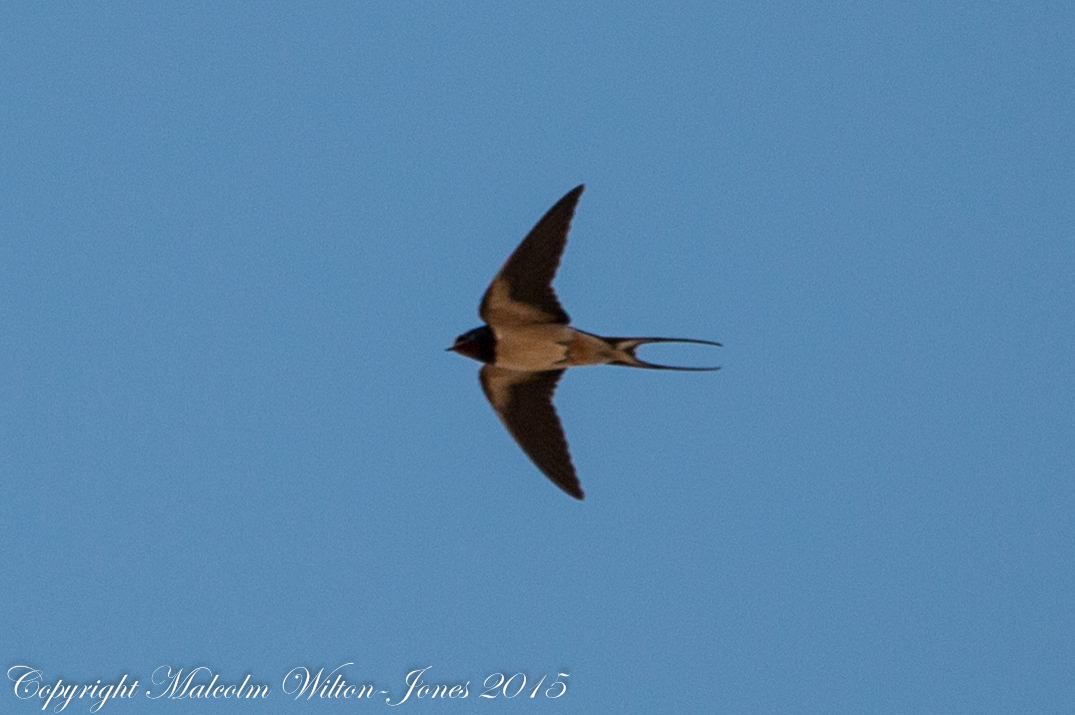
[235, 239]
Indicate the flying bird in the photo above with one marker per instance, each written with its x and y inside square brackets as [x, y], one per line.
[526, 344]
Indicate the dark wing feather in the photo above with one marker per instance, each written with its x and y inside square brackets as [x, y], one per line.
[523, 401]
[521, 292]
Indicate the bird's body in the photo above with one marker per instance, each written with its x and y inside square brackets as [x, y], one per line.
[527, 344]
[548, 347]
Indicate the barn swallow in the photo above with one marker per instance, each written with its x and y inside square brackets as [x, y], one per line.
[526, 345]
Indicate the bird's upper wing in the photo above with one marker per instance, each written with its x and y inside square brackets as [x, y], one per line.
[521, 293]
[523, 401]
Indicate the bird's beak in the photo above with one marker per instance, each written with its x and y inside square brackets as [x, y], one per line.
[448, 350]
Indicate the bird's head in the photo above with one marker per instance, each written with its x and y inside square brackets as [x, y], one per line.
[477, 344]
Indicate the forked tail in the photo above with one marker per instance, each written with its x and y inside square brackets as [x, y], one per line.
[627, 347]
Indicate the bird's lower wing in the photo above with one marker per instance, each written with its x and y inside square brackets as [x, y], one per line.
[523, 401]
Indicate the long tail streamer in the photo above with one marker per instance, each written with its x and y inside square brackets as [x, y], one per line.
[629, 345]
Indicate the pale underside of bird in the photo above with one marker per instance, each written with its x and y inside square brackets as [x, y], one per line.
[526, 344]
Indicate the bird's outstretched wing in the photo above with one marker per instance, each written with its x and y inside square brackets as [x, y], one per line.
[521, 293]
[523, 401]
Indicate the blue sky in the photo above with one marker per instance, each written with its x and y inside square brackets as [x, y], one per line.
[235, 240]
